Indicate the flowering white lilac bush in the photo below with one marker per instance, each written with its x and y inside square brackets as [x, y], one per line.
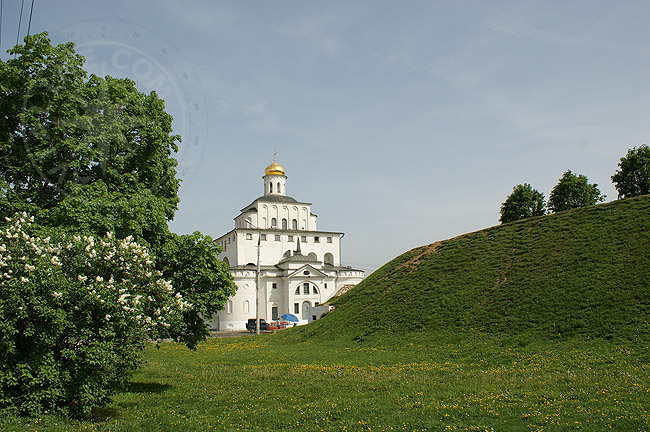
[74, 316]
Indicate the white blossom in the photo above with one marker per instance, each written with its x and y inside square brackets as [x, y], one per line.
[107, 317]
[24, 279]
[57, 294]
[82, 278]
[167, 285]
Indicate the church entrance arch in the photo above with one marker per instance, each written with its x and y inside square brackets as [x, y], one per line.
[306, 309]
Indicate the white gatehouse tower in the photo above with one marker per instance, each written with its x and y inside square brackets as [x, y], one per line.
[300, 266]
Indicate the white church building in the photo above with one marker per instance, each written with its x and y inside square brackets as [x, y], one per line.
[300, 266]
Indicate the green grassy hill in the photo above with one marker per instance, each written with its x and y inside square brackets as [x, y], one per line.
[585, 271]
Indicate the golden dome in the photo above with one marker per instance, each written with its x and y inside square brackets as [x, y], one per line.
[274, 169]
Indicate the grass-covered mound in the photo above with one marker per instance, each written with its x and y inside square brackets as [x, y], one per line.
[585, 271]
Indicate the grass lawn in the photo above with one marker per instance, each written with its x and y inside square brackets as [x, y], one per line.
[473, 383]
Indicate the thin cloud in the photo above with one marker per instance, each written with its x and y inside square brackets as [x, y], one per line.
[507, 26]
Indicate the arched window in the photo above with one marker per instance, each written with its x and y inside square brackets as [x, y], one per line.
[227, 261]
[294, 224]
[279, 189]
[297, 291]
[274, 223]
[284, 224]
[270, 187]
[315, 290]
[247, 306]
[229, 307]
[329, 259]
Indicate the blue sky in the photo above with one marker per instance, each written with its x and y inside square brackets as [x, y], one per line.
[403, 123]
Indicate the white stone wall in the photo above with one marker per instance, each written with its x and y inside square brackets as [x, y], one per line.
[240, 246]
[234, 317]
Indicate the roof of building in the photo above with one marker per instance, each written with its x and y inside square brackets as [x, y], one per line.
[298, 257]
[274, 198]
[277, 198]
[326, 267]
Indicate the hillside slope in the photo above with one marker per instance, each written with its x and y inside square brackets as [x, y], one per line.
[585, 271]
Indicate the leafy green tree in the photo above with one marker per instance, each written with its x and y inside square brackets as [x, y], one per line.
[190, 263]
[87, 155]
[522, 203]
[633, 176]
[573, 191]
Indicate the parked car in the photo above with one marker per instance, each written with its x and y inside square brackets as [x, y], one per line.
[250, 325]
[277, 325]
